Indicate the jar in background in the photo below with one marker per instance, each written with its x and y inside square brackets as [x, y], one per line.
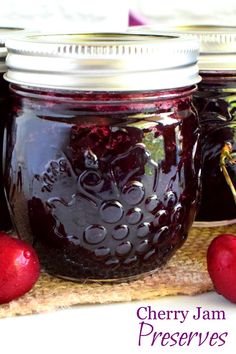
[215, 101]
[102, 165]
[5, 223]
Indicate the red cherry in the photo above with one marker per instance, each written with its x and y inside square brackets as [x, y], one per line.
[221, 262]
[19, 268]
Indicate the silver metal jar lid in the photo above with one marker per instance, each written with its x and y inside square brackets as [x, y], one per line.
[102, 61]
[5, 32]
[217, 43]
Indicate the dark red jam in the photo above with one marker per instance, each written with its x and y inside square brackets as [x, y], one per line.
[5, 223]
[104, 185]
[216, 104]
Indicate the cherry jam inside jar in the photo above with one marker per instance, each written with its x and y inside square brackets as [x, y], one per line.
[216, 102]
[102, 170]
[106, 183]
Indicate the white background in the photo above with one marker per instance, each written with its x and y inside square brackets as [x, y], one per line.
[187, 11]
[114, 328]
[65, 14]
[112, 15]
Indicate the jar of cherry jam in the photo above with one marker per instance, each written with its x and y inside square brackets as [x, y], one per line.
[5, 223]
[215, 101]
[216, 105]
[102, 159]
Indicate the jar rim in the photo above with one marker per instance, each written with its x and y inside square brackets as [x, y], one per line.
[217, 42]
[102, 61]
[101, 96]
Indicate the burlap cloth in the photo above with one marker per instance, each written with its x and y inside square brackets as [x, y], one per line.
[186, 273]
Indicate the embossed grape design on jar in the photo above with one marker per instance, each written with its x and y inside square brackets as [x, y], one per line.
[102, 163]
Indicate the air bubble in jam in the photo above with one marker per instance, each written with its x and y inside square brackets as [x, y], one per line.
[117, 174]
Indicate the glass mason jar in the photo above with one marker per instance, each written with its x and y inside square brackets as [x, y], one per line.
[102, 164]
[5, 223]
[215, 101]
